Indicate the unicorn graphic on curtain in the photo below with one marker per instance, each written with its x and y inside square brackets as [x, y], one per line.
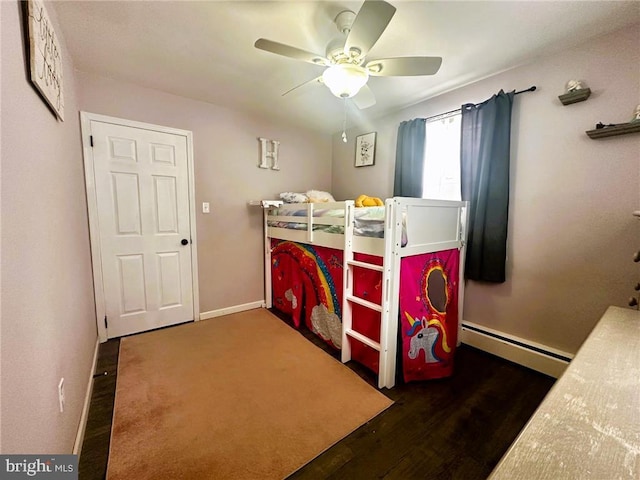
[424, 336]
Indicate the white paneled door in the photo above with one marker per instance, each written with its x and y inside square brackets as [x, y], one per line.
[141, 184]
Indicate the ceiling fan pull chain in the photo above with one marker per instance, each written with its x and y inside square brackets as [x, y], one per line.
[344, 122]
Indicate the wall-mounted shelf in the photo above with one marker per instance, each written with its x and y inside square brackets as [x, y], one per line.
[576, 96]
[621, 129]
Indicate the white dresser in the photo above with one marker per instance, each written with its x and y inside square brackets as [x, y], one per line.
[588, 426]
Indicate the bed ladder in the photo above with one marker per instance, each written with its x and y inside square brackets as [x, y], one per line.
[351, 299]
[387, 346]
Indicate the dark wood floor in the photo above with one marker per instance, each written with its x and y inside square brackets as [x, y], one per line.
[95, 447]
[455, 428]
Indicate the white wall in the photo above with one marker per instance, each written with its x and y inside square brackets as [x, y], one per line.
[571, 232]
[226, 157]
[48, 319]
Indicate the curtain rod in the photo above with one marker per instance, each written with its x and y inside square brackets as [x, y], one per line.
[530, 89]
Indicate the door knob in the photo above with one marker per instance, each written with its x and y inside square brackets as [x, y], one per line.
[184, 241]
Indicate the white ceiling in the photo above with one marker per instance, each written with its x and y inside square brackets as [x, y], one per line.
[204, 50]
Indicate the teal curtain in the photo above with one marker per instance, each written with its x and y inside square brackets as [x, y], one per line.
[410, 158]
[484, 170]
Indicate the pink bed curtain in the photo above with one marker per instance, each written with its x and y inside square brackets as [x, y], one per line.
[307, 285]
[429, 314]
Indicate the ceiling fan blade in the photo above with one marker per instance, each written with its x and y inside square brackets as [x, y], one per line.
[364, 98]
[291, 52]
[317, 80]
[370, 22]
[404, 66]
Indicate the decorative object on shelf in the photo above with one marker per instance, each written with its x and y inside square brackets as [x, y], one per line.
[365, 149]
[576, 92]
[267, 153]
[612, 129]
[45, 57]
[635, 300]
[636, 115]
[573, 85]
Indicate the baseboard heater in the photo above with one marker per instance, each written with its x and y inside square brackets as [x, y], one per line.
[538, 357]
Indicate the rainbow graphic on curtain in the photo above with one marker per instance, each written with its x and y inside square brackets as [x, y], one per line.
[307, 284]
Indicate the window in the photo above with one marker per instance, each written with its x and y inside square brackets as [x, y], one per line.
[441, 173]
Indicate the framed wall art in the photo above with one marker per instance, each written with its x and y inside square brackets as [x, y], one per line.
[45, 57]
[365, 149]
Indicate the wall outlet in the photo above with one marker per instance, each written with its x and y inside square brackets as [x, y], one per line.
[61, 394]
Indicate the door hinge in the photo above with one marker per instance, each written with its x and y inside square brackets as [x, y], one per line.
[106, 325]
[91, 140]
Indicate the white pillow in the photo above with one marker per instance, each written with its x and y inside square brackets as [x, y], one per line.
[318, 196]
[292, 197]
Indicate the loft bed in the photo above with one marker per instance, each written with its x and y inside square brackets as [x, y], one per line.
[363, 278]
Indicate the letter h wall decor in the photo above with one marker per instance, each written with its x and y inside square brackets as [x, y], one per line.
[269, 151]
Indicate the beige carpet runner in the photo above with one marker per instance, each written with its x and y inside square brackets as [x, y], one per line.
[237, 397]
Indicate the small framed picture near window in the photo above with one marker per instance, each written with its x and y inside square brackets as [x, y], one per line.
[365, 149]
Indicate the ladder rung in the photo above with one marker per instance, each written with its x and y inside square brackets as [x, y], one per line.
[363, 339]
[370, 266]
[364, 303]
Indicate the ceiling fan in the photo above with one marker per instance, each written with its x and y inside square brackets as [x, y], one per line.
[348, 70]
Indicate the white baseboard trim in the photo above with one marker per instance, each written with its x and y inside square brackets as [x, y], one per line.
[229, 310]
[541, 358]
[84, 416]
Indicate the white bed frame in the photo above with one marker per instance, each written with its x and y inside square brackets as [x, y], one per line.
[431, 226]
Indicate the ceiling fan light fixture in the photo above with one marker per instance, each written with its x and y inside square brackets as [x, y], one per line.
[345, 80]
